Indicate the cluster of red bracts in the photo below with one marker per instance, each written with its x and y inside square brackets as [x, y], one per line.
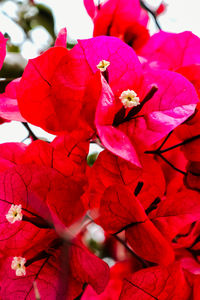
[144, 187]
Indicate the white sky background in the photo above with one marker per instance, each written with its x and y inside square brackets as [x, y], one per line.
[181, 15]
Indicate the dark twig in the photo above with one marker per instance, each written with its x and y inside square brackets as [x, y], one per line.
[152, 13]
[31, 133]
[193, 138]
[165, 140]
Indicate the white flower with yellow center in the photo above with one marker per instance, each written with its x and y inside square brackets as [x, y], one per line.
[129, 98]
[18, 264]
[14, 214]
[102, 65]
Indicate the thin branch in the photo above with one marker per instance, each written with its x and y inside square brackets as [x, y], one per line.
[31, 133]
[181, 143]
[152, 13]
[165, 140]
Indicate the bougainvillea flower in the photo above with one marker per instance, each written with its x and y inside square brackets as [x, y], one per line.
[35, 187]
[2, 49]
[68, 97]
[160, 113]
[128, 21]
[163, 107]
[157, 283]
[185, 45]
[120, 210]
[53, 86]
[54, 277]
[147, 183]
[9, 109]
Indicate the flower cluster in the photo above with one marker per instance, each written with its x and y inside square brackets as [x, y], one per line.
[138, 98]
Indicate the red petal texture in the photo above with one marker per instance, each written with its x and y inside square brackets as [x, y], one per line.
[192, 73]
[185, 45]
[121, 210]
[61, 40]
[114, 18]
[196, 291]
[171, 105]
[34, 187]
[55, 278]
[159, 282]
[175, 212]
[2, 49]
[113, 289]
[148, 242]
[124, 66]
[191, 127]
[190, 150]
[23, 238]
[45, 272]
[35, 98]
[67, 153]
[110, 169]
[9, 109]
[88, 268]
[10, 155]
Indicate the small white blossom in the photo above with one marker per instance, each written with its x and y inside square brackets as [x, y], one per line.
[102, 65]
[17, 264]
[129, 98]
[14, 214]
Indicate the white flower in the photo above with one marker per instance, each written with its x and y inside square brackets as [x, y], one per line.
[17, 264]
[14, 214]
[129, 98]
[102, 65]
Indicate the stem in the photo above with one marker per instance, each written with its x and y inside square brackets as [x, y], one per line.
[37, 221]
[152, 13]
[165, 140]
[153, 205]
[31, 133]
[181, 143]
